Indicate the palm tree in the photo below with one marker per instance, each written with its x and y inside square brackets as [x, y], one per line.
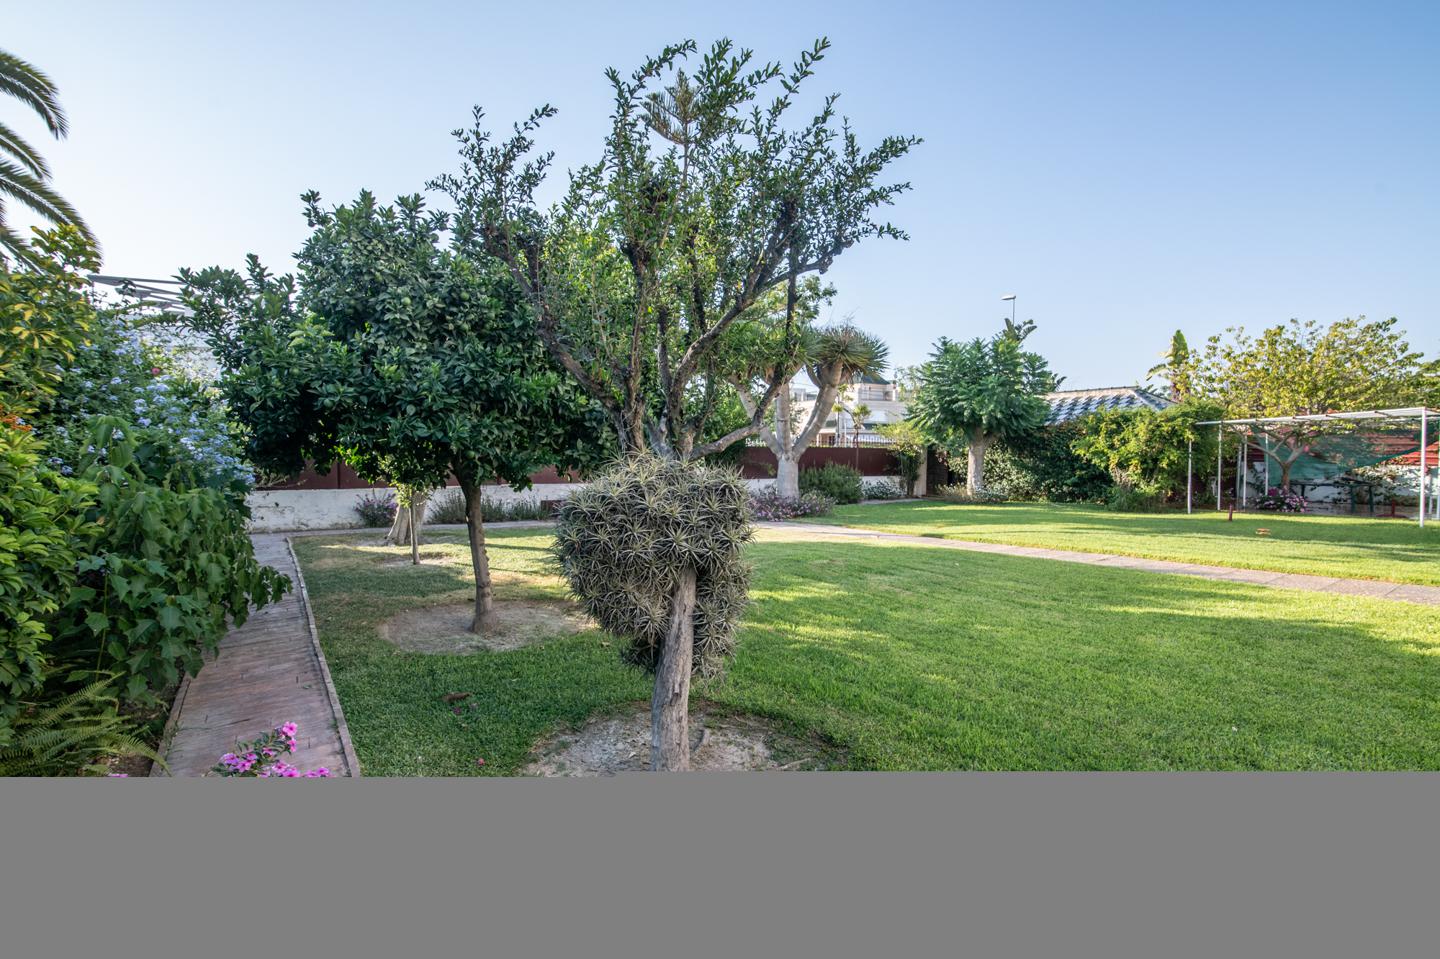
[24, 174]
[1176, 368]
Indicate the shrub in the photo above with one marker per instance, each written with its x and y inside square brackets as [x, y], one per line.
[1148, 449]
[1277, 500]
[907, 442]
[1045, 467]
[839, 482]
[43, 532]
[883, 489]
[376, 509]
[624, 540]
[75, 733]
[962, 495]
[769, 506]
[449, 507]
[1124, 498]
[172, 568]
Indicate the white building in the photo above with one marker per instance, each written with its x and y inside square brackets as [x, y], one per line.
[877, 401]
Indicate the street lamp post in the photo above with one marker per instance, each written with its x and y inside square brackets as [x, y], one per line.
[1011, 298]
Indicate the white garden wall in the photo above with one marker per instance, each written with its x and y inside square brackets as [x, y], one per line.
[273, 511]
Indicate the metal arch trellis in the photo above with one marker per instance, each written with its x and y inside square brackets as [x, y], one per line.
[1425, 416]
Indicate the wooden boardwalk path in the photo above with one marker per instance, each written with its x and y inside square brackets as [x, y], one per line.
[267, 672]
[1376, 589]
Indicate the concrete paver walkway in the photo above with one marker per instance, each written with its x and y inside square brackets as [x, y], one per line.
[1427, 595]
[268, 671]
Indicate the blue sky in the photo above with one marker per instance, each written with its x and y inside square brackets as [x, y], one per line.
[1124, 168]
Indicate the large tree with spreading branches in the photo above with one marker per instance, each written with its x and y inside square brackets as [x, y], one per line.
[1300, 368]
[705, 198]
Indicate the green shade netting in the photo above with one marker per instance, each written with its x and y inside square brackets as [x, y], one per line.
[1344, 446]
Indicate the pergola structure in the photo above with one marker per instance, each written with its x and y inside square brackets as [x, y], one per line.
[161, 294]
[1423, 414]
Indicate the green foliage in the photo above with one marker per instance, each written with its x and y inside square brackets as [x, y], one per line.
[703, 200]
[1178, 368]
[44, 318]
[907, 442]
[835, 481]
[43, 534]
[73, 734]
[1044, 466]
[624, 540]
[448, 506]
[1147, 450]
[962, 495]
[401, 358]
[981, 390]
[170, 570]
[1123, 498]
[1303, 368]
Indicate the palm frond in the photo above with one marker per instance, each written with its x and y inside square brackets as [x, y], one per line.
[17, 146]
[39, 196]
[28, 84]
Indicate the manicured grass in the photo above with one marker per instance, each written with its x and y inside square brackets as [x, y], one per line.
[911, 657]
[1324, 545]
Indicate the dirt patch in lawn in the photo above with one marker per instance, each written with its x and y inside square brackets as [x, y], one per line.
[620, 742]
[513, 624]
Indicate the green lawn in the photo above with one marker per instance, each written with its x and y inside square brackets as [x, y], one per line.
[1325, 545]
[911, 657]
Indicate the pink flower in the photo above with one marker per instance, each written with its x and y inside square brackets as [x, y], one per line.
[119, 775]
[288, 729]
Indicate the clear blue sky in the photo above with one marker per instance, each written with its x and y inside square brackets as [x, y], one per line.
[1125, 168]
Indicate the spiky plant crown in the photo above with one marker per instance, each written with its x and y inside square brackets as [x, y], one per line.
[624, 539]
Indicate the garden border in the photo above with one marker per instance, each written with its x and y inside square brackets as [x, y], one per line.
[341, 727]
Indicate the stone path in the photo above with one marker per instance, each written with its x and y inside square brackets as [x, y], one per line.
[1427, 595]
[268, 671]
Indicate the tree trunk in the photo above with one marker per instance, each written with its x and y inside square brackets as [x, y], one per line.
[787, 476]
[670, 703]
[479, 561]
[975, 471]
[1285, 475]
[399, 534]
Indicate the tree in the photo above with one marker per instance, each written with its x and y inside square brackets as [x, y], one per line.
[831, 356]
[981, 391]
[1150, 450]
[1177, 368]
[1297, 368]
[24, 174]
[701, 202]
[401, 358]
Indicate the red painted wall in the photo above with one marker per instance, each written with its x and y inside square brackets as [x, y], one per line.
[757, 463]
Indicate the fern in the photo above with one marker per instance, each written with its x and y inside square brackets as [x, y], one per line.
[75, 734]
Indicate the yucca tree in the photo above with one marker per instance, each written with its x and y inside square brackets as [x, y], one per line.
[24, 174]
[834, 356]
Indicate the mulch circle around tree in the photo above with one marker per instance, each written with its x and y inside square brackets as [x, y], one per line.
[620, 742]
[513, 625]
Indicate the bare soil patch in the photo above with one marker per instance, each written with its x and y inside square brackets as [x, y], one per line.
[513, 624]
[620, 742]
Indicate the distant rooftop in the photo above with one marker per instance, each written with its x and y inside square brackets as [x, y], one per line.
[1067, 405]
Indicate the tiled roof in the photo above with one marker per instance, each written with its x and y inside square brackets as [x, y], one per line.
[1066, 405]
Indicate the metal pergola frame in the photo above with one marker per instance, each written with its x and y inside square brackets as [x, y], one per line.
[1422, 413]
